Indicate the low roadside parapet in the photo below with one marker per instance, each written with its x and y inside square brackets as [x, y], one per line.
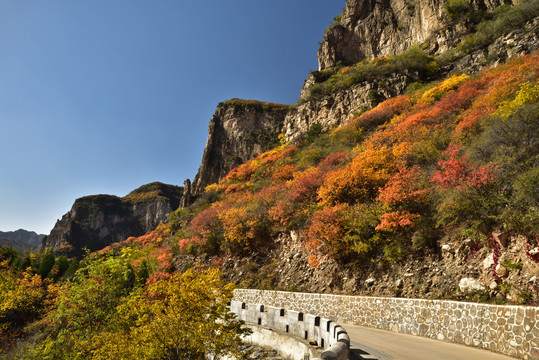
[327, 336]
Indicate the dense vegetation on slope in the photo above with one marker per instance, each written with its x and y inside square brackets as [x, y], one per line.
[459, 156]
[484, 27]
[123, 303]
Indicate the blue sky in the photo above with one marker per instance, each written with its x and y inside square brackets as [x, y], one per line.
[102, 96]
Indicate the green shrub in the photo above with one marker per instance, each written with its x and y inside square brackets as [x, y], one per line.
[512, 144]
[511, 265]
[255, 105]
[336, 21]
[492, 25]
[314, 132]
[332, 80]
[47, 262]
[361, 233]
[456, 9]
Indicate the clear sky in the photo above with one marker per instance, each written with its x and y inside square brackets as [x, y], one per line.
[102, 96]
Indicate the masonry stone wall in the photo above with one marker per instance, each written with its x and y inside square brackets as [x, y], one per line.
[511, 330]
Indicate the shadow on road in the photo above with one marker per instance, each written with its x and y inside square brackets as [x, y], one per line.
[358, 354]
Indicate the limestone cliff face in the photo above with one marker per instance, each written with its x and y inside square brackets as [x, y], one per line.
[371, 28]
[238, 131]
[336, 108]
[241, 129]
[100, 220]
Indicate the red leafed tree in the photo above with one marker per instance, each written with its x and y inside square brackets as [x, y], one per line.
[457, 172]
[405, 187]
[327, 230]
[398, 219]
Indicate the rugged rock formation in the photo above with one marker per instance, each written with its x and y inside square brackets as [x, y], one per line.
[238, 131]
[369, 28]
[519, 41]
[100, 220]
[241, 129]
[461, 270]
[336, 108]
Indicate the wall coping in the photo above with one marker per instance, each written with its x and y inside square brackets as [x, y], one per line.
[394, 298]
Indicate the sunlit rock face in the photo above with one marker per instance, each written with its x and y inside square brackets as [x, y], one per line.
[238, 131]
[370, 28]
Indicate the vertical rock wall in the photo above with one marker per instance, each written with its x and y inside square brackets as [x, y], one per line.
[238, 131]
[371, 28]
[99, 220]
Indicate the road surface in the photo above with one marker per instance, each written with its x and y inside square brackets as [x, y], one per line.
[371, 344]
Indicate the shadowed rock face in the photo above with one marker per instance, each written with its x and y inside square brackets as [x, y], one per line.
[99, 220]
[238, 131]
[370, 28]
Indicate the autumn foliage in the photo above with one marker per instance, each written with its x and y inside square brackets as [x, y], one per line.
[462, 154]
[406, 168]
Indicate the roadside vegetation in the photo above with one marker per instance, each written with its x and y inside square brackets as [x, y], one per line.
[124, 302]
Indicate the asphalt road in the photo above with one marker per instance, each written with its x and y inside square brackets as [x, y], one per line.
[370, 344]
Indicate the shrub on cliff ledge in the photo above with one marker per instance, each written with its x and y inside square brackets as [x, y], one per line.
[492, 25]
[332, 80]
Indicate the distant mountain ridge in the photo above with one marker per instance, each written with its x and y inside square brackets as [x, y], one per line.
[22, 240]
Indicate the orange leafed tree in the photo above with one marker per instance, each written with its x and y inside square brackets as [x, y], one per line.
[327, 230]
[359, 180]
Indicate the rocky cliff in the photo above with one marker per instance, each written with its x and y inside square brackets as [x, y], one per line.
[369, 28]
[443, 32]
[336, 107]
[238, 131]
[99, 220]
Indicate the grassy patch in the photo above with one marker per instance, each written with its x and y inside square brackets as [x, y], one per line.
[255, 105]
[335, 79]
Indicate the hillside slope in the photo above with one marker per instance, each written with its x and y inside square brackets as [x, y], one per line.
[412, 174]
[238, 131]
[439, 39]
[430, 194]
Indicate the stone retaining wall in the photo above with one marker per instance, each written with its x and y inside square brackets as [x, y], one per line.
[511, 330]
